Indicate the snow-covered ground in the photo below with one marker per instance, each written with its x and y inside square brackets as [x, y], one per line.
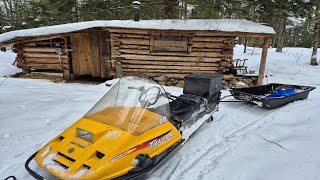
[243, 142]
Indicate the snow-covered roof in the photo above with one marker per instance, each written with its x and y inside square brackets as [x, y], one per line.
[225, 25]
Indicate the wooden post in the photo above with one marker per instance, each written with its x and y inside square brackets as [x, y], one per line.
[66, 72]
[119, 70]
[263, 60]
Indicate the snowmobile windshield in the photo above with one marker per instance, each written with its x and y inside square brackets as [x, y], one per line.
[134, 104]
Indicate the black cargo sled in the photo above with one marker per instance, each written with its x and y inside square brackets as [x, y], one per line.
[272, 95]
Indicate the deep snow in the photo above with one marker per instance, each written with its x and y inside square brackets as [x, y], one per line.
[243, 142]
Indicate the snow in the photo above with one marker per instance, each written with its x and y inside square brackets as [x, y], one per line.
[6, 67]
[244, 142]
[227, 25]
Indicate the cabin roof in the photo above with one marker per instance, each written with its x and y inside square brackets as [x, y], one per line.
[221, 25]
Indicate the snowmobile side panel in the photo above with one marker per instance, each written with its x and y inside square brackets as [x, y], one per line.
[166, 156]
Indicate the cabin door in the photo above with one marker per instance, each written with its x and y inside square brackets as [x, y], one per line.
[91, 53]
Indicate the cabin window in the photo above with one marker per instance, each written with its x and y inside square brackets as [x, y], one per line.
[165, 42]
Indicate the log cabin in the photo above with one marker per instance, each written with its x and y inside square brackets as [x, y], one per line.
[151, 48]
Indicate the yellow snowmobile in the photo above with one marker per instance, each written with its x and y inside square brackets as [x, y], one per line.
[131, 131]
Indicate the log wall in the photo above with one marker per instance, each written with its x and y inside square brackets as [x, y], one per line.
[42, 54]
[135, 50]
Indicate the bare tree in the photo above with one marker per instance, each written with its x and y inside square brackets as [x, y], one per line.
[313, 61]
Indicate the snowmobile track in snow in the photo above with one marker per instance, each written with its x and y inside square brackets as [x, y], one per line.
[215, 152]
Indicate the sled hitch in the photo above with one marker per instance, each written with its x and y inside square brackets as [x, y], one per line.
[30, 171]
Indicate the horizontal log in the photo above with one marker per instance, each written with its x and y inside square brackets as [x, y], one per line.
[134, 41]
[133, 51]
[131, 31]
[44, 55]
[168, 67]
[173, 75]
[196, 49]
[140, 36]
[115, 43]
[163, 63]
[168, 58]
[122, 46]
[229, 42]
[208, 45]
[164, 71]
[211, 39]
[226, 64]
[46, 60]
[40, 49]
[43, 66]
[170, 49]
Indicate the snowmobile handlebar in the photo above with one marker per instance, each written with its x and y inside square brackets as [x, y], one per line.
[144, 92]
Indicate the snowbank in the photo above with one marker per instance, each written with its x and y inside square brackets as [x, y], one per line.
[6, 67]
[227, 25]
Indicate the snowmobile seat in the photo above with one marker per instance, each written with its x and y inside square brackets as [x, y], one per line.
[184, 106]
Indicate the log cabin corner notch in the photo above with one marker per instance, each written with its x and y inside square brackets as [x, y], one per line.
[152, 48]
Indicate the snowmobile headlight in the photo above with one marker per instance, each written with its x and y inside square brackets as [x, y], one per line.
[86, 135]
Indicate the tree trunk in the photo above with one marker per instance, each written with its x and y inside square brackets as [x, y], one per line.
[295, 36]
[313, 61]
[245, 45]
[170, 8]
[273, 41]
[280, 34]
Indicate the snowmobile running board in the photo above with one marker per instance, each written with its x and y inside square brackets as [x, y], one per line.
[130, 175]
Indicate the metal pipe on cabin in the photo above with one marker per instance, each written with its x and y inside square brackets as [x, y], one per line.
[136, 10]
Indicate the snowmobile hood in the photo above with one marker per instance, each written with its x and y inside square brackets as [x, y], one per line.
[109, 155]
